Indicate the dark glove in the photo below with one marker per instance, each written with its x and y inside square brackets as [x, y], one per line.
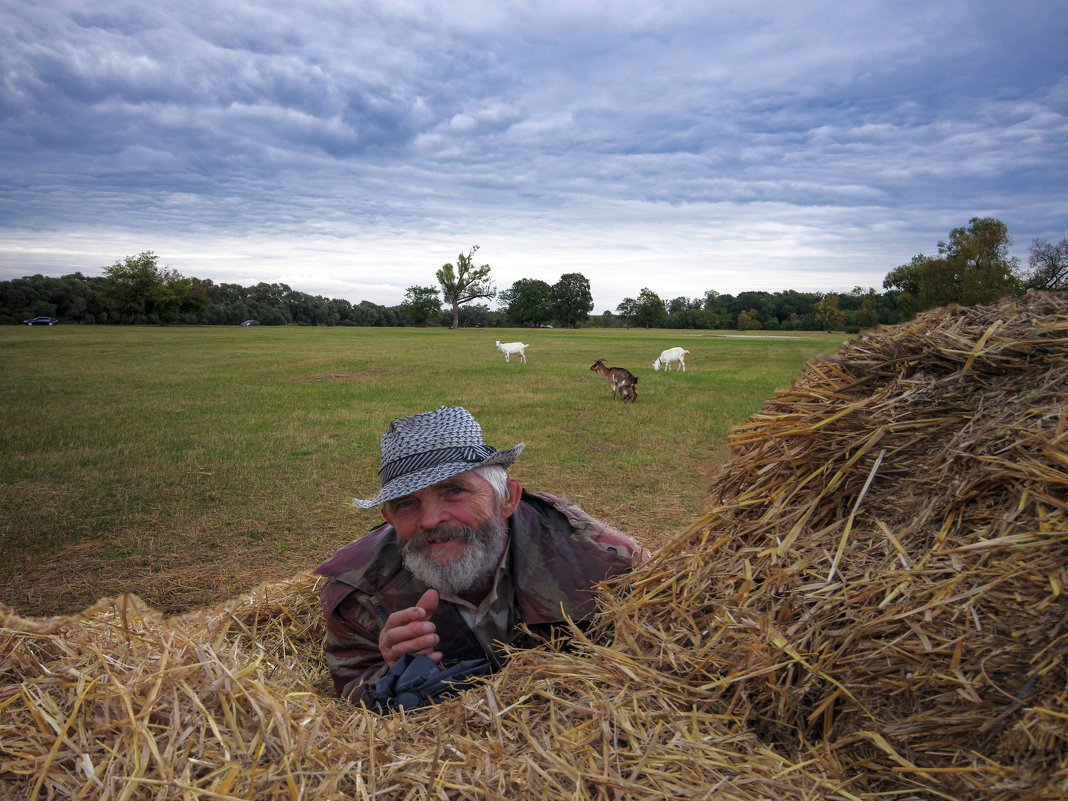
[414, 680]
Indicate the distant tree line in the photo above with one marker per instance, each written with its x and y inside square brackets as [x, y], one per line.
[139, 291]
[971, 267]
[757, 310]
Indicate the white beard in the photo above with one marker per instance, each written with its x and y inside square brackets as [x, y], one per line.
[473, 571]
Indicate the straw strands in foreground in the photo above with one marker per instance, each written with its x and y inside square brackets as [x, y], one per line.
[872, 606]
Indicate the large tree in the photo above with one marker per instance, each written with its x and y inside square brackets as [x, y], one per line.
[130, 284]
[867, 314]
[628, 310]
[828, 315]
[748, 320]
[572, 299]
[979, 259]
[908, 279]
[528, 302]
[464, 283]
[972, 267]
[137, 289]
[651, 311]
[421, 304]
[1049, 265]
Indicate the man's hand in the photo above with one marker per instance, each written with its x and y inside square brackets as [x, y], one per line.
[409, 631]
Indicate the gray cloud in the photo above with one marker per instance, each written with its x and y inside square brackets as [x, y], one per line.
[352, 148]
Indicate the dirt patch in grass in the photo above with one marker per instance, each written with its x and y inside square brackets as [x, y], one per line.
[319, 377]
[169, 579]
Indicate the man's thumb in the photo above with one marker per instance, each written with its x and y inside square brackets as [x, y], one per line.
[428, 601]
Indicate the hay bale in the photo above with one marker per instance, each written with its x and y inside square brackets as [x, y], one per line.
[881, 574]
[119, 702]
[871, 607]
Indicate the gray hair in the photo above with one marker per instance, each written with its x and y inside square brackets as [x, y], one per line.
[497, 477]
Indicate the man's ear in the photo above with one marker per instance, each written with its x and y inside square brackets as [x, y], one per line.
[511, 501]
[385, 515]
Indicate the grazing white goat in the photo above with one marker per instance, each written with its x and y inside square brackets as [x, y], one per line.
[668, 356]
[509, 348]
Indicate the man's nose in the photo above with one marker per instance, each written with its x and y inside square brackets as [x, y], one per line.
[432, 514]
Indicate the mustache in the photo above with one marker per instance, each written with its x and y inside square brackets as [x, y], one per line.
[440, 534]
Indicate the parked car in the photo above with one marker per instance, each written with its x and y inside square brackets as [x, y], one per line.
[41, 321]
[251, 322]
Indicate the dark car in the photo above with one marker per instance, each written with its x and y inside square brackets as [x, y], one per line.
[41, 321]
[251, 322]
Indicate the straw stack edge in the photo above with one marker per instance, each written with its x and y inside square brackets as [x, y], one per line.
[871, 606]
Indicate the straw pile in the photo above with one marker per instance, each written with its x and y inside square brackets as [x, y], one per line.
[872, 606]
[880, 579]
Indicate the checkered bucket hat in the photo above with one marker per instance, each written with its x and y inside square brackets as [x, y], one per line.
[423, 449]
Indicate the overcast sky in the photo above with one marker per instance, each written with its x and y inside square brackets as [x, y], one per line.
[349, 149]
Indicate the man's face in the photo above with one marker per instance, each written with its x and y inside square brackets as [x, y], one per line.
[452, 534]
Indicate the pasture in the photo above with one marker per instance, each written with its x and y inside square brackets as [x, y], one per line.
[188, 465]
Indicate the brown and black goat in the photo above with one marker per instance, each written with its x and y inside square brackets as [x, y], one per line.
[620, 378]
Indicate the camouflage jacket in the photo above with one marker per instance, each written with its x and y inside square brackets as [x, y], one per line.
[556, 553]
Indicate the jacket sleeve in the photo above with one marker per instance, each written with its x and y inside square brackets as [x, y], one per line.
[352, 629]
[627, 552]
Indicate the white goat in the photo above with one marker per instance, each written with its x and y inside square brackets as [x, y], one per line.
[508, 348]
[668, 356]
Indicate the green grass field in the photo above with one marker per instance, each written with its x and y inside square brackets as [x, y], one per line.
[187, 465]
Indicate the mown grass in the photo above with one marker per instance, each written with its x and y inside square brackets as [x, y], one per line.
[189, 464]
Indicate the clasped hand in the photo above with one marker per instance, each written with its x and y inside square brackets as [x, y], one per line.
[409, 631]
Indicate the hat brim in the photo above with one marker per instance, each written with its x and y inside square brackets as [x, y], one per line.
[429, 476]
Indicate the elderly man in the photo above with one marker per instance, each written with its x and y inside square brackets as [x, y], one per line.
[464, 557]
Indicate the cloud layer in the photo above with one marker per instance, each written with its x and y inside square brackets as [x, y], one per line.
[351, 148]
